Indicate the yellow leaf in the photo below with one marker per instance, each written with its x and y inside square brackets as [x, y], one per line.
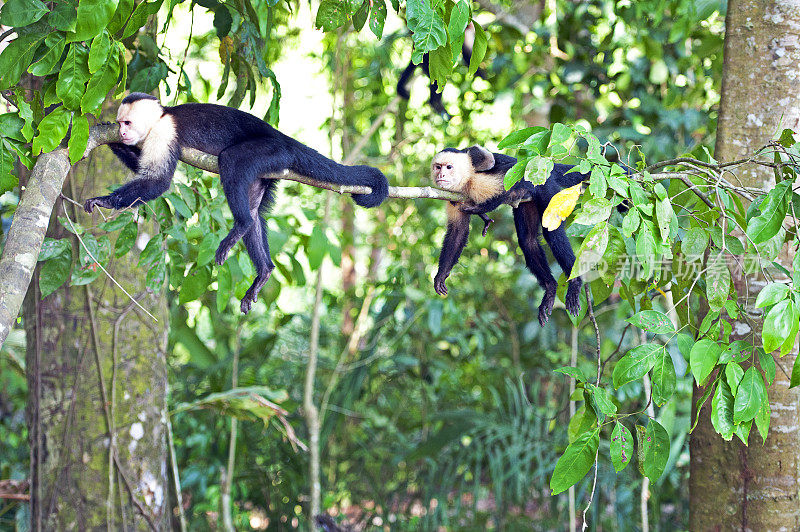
[560, 207]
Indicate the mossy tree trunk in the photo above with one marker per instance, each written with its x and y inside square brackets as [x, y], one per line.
[98, 380]
[734, 487]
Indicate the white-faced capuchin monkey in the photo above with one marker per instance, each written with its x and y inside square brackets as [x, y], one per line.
[478, 173]
[247, 147]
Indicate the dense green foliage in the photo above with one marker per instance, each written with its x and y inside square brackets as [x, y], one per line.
[448, 411]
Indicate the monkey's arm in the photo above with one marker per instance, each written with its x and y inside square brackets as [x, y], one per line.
[149, 184]
[522, 190]
[454, 241]
[129, 155]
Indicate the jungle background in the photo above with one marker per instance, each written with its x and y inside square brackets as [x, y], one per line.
[432, 412]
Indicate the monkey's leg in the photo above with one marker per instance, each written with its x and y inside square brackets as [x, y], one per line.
[257, 244]
[239, 168]
[562, 251]
[527, 222]
[454, 241]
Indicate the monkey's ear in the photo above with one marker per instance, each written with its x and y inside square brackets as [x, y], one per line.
[482, 159]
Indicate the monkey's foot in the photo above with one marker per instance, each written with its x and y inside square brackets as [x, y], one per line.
[101, 201]
[439, 286]
[251, 295]
[546, 307]
[573, 302]
[486, 223]
[222, 251]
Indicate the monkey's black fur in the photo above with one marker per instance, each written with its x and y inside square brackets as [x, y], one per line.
[247, 148]
[528, 222]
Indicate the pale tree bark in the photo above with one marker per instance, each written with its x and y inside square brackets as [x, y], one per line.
[98, 380]
[733, 487]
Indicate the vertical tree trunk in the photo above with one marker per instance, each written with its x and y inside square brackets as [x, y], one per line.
[97, 379]
[734, 487]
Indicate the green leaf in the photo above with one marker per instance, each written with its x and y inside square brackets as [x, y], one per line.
[575, 373]
[514, 174]
[733, 374]
[794, 380]
[331, 14]
[19, 13]
[359, 19]
[597, 181]
[576, 461]
[636, 363]
[64, 15]
[664, 379]
[653, 321]
[771, 294]
[52, 130]
[207, 249]
[139, 17]
[591, 251]
[773, 211]
[98, 52]
[646, 250]
[126, 239]
[156, 275]
[16, 57]
[93, 16]
[53, 248]
[152, 252]
[630, 223]
[656, 450]
[778, 325]
[194, 285]
[427, 27]
[224, 283]
[73, 76]
[767, 365]
[117, 222]
[594, 211]
[316, 247]
[603, 401]
[377, 17]
[48, 62]
[100, 85]
[664, 215]
[440, 66]
[722, 411]
[79, 138]
[459, 18]
[538, 170]
[751, 394]
[560, 134]
[8, 158]
[517, 138]
[584, 420]
[55, 271]
[718, 281]
[478, 49]
[703, 358]
[621, 447]
[762, 419]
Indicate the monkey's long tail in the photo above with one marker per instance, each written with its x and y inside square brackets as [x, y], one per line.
[313, 164]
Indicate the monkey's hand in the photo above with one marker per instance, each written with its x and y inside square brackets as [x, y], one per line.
[438, 284]
[486, 223]
[100, 201]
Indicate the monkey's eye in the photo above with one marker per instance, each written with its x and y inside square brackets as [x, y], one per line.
[449, 166]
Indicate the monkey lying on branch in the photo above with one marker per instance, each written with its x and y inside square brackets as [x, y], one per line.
[478, 174]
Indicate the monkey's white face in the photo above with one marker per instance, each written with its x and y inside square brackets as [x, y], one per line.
[450, 170]
[136, 119]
